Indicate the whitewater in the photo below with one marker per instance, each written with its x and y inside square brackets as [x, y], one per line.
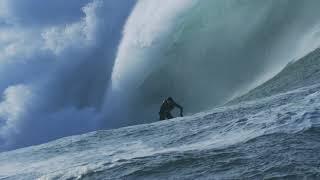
[273, 136]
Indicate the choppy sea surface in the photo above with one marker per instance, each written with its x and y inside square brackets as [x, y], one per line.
[274, 137]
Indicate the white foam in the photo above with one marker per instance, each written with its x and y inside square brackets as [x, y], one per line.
[148, 24]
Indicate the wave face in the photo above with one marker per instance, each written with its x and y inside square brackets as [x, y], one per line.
[304, 72]
[206, 52]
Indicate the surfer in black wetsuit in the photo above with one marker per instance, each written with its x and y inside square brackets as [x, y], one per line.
[167, 106]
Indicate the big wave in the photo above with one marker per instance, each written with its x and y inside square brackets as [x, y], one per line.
[63, 78]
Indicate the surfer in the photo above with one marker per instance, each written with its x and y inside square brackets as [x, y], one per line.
[167, 106]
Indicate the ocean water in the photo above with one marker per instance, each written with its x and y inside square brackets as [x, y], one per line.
[275, 137]
[112, 67]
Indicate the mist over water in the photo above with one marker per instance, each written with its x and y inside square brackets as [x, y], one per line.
[55, 70]
[105, 64]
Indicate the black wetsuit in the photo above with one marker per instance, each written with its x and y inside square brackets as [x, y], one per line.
[167, 106]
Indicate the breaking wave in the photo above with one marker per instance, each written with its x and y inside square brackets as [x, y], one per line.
[60, 78]
[204, 53]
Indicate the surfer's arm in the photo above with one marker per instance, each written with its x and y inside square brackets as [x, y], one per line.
[180, 107]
